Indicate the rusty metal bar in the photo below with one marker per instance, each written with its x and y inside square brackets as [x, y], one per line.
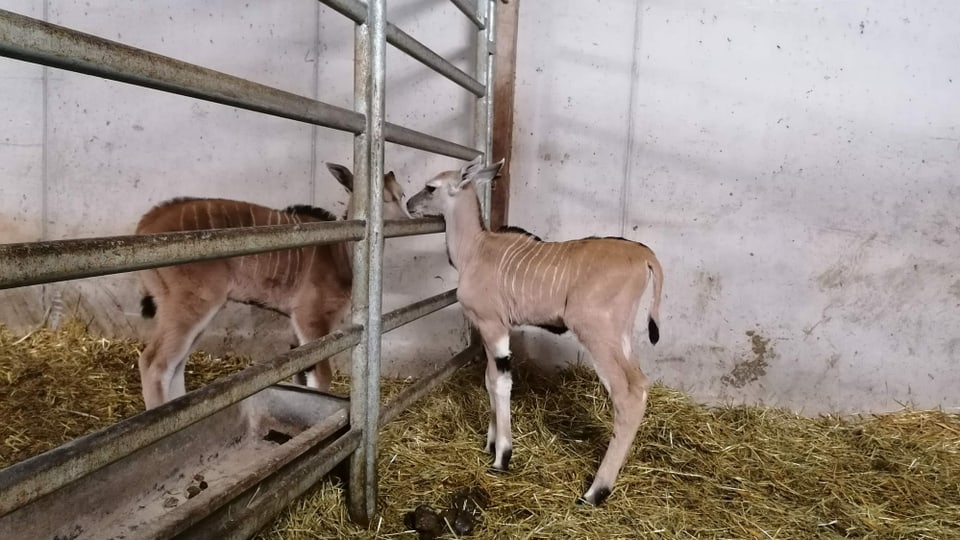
[33, 40]
[30, 479]
[357, 11]
[417, 310]
[33, 263]
[417, 390]
[396, 228]
[57, 260]
[470, 11]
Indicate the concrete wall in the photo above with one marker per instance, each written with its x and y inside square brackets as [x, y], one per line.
[793, 164]
[81, 156]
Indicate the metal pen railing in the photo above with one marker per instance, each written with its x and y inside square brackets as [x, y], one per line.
[40, 42]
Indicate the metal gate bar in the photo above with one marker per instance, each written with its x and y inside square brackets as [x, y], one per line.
[470, 10]
[40, 42]
[30, 479]
[357, 12]
[33, 263]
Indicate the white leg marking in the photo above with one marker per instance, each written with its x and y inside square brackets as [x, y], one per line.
[504, 444]
[312, 381]
[501, 347]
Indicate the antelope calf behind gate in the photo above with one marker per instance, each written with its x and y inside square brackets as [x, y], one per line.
[591, 286]
[310, 285]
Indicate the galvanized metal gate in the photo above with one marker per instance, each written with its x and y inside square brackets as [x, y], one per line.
[36, 41]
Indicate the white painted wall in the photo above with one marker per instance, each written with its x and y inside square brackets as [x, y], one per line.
[795, 166]
[81, 156]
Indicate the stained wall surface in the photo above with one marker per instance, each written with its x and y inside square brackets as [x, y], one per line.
[794, 165]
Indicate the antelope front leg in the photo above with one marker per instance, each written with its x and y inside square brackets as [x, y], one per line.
[499, 382]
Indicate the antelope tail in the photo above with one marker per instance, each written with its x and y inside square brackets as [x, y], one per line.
[653, 321]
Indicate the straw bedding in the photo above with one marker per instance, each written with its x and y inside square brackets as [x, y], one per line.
[695, 472]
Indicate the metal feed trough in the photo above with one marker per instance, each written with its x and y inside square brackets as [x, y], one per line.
[223, 460]
[155, 491]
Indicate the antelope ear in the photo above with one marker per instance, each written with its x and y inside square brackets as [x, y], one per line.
[391, 188]
[342, 174]
[477, 174]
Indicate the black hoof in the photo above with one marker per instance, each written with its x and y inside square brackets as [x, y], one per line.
[496, 471]
[598, 499]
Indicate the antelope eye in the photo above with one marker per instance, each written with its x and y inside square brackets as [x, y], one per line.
[431, 189]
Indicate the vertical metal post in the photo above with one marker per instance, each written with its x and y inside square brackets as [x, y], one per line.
[369, 81]
[483, 113]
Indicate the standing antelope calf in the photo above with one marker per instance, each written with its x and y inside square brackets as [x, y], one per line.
[311, 285]
[591, 286]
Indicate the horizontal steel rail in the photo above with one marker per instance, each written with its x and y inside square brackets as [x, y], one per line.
[411, 312]
[417, 390]
[357, 12]
[33, 263]
[428, 143]
[32, 40]
[30, 479]
[469, 8]
[247, 514]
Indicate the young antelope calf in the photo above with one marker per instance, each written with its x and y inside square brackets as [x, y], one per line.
[311, 285]
[591, 286]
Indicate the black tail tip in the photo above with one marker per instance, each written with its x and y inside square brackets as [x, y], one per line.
[654, 331]
[147, 307]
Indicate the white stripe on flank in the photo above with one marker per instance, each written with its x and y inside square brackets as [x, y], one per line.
[210, 216]
[286, 274]
[296, 275]
[566, 264]
[506, 254]
[504, 265]
[183, 209]
[561, 247]
[537, 257]
[508, 263]
[516, 269]
[276, 267]
[549, 250]
[196, 217]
